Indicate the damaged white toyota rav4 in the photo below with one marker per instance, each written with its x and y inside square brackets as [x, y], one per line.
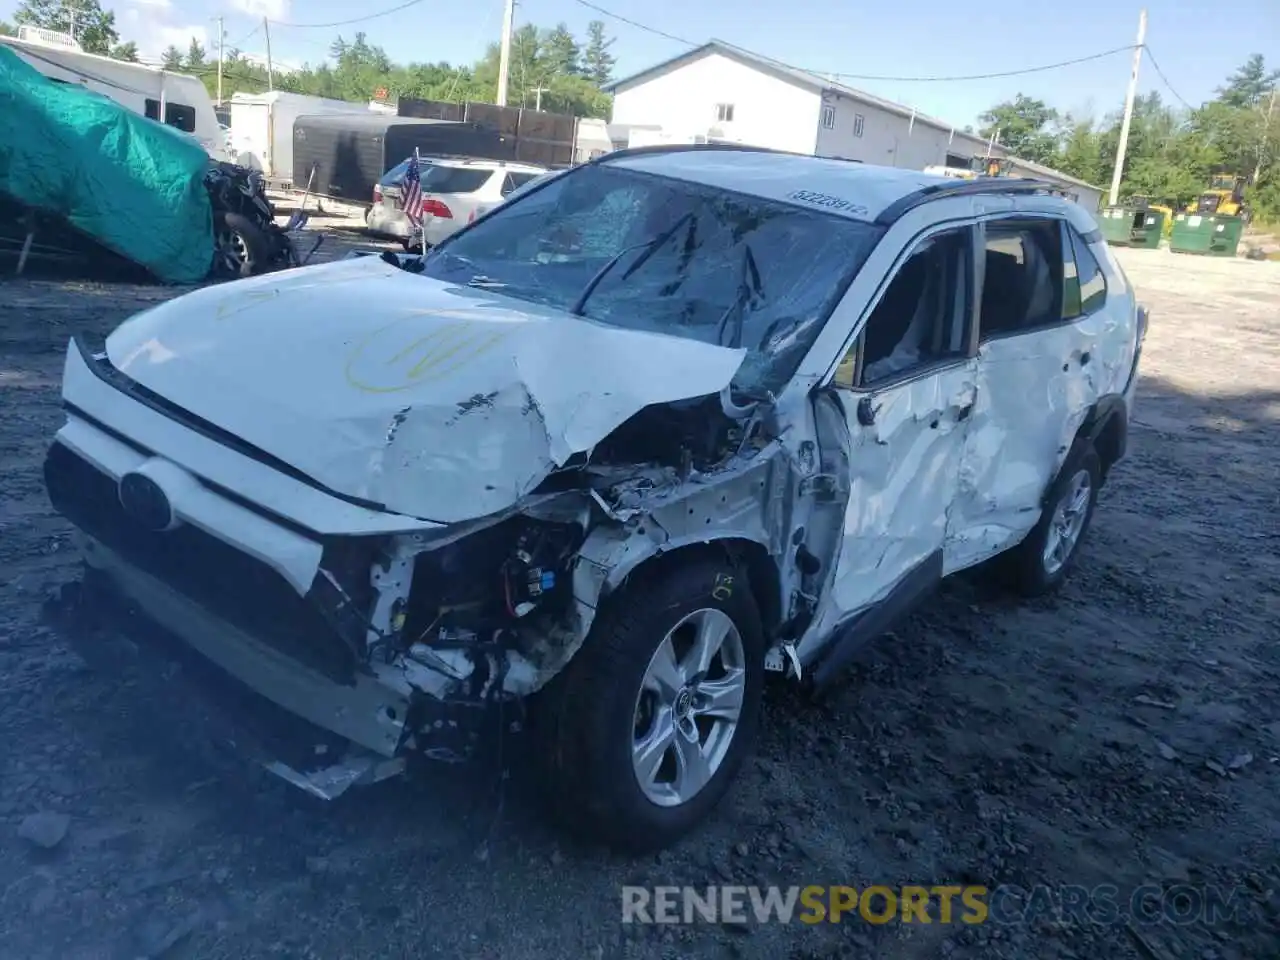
[670, 421]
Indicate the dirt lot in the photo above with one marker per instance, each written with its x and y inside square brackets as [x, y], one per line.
[1125, 732]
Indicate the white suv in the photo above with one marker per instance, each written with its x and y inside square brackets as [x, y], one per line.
[675, 419]
[454, 193]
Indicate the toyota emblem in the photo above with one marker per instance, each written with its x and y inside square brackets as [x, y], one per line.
[145, 502]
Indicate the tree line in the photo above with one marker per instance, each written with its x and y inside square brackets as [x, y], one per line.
[549, 67]
[1172, 151]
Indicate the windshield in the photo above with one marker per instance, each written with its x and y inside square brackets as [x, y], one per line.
[644, 252]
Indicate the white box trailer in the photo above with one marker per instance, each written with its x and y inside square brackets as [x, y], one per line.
[262, 128]
[177, 99]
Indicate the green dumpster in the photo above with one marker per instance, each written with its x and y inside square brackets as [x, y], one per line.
[1114, 222]
[1215, 236]
[1146, 227]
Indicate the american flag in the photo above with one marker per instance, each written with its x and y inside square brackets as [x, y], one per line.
[411, 192]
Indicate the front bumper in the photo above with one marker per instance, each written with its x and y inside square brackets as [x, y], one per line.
[215, 661]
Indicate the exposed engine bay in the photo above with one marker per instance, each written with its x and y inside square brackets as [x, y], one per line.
[492, 611]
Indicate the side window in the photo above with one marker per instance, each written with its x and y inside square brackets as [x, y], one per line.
[507, 185]
[178, 115]
[1093, 286]
[1023, 277]
[181, 116]
[923, 317]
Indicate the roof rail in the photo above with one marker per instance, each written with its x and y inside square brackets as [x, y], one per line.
[961, 188]
[660, 148]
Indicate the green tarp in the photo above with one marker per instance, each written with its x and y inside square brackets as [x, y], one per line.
[134, 185]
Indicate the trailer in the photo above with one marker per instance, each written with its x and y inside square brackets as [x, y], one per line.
[179, 100]
[262, 129]
[537, 137]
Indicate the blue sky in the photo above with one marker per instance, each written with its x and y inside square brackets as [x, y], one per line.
[1196, 46]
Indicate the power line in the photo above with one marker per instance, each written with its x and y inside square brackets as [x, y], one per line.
[1176, 94]
[986, 76]
[864, 76]
[237, 44]
[343, 23]
[654, 30]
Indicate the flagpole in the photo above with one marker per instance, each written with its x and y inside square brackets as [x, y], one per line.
[422, 222]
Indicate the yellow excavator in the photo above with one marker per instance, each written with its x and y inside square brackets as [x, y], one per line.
[1225, 197]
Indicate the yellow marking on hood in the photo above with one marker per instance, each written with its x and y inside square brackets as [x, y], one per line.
[244, 302]
[386, 363]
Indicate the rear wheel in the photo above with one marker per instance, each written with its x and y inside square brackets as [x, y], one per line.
[1042, 561]
[641, 735]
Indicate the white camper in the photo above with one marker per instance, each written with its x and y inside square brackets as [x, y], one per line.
[262, 128]
[182, 101]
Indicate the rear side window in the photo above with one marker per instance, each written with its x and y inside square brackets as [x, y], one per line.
[454, 179]
[514, 181]
[1092, 285]
[1022, 287]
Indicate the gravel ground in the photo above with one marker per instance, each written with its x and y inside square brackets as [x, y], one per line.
[1124, 732]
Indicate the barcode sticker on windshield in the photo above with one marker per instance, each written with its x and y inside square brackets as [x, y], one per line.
[827, 201]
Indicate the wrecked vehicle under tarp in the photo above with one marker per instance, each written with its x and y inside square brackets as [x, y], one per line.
[609, 453]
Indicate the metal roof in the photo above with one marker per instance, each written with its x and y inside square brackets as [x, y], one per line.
[812, 81]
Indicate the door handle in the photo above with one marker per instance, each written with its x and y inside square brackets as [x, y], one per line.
[867, 411]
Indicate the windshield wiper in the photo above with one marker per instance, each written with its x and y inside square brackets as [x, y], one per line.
[648, 246]
[738, 309]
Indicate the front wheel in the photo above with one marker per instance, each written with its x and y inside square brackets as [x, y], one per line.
[240, 247]
[641, 735]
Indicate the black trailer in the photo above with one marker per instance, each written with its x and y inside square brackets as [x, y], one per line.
[350, 152]
[545, 139]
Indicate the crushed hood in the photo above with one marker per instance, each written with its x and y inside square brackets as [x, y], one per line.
[438, 401]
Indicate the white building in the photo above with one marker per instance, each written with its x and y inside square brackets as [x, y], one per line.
[720, 93]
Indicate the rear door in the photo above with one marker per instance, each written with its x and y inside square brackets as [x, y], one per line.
[907, 387]
[1040, 321]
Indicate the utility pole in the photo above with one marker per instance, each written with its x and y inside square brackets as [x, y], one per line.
[1128, 109]
[504, 58]
[266, 28]
[221, 37]
[538, 91]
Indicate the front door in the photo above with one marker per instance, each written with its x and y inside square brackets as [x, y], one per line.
[907, 386]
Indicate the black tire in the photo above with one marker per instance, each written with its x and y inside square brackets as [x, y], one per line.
[251, 253]
[1026, 566]
[583, 722]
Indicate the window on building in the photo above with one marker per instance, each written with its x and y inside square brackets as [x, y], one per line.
[180, 115]
[828, 117]
[858, 122]
[1025, 277]
[959, 161]
[724, 112]
[923, 318]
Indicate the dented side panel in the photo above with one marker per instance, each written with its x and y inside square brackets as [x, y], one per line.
[1034, 392]
[903, 479]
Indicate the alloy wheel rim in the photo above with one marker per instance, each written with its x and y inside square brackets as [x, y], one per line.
[1067, 522]
[688, 708]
